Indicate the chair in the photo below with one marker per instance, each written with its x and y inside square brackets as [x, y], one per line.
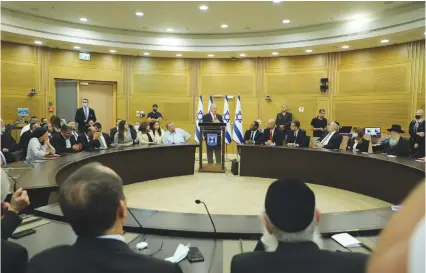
[370, 145]
[306, 142]
[344, 143]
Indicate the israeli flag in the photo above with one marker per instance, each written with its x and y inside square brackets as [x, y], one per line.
[227, 119]
[237, 135]
[210, 103]
[199, 119]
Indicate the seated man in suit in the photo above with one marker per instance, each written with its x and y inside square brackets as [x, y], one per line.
[332, 140]
[397, 145]
[357, 143]
[296, 137]
[213, 116]
[25, 138]
[292, 242]
[114, 130]
[272, 136]
[104, 139]
[8, 144]
[74, 131]
[65, 141]
[14, 257]
[252, 136]
[93, 202]
[89, 139]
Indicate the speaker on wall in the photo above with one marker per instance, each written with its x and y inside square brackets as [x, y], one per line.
[324, 84]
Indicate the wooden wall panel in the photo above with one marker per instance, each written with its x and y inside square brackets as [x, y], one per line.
[160, 84]
[294, 83]
[222, 84]
[309, 61]
[142, 64]
[227, 65]
[377, 56]
[66, 58]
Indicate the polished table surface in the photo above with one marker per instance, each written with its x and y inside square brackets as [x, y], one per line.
[217, 252]
[376, 175]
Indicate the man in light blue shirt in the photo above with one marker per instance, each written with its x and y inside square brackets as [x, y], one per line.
[175, 135]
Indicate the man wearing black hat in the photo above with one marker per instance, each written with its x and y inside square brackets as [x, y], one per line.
[397, 146]
[291, 221]
[154, 116]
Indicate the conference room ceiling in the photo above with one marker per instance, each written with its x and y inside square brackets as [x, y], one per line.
[187, 18]
[255, 29]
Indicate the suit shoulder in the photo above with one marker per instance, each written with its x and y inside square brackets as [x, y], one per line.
[52, 253]
[247, 260]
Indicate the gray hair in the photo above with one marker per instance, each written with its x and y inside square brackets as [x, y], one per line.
[336, 127]
[213, 105]
[306, 235]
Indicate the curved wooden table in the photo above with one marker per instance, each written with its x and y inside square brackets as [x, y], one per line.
[386, 178]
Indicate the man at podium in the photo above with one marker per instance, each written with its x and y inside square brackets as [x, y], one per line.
[212, 142]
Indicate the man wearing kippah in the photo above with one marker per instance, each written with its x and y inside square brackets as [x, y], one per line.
[292, 242]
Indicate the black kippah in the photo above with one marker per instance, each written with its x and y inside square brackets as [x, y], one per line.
[39, 132]
[290, 204]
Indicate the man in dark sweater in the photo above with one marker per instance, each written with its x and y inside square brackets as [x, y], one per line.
[292, 242]
[93, 202]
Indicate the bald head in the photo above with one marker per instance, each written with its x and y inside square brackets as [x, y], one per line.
[213, 108]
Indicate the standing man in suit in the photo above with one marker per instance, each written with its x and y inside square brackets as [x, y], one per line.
[8, 144]
[291, 241]
[100, 245]
[65, 141]
[84, 114]
[417, 135]
[252, 136]
[332, 140]
[272, 135]
[214, 117]
[154, 116]
[284, 119]
[296, 137]
[397, 145]
[14, 257]
[114, 130]
[104, 139]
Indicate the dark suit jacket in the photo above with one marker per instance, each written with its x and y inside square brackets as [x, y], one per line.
[257, 136]
[23, 143]
[284, 120]
[334, 142]
[80, 118]
[413, 137]
[107, 139]
[91, 255]
[361, 146]
[299, 257]
[88, 145]
[277, 138]
[14, 257]
[208, 118]
[400, 149]
[58, 142]
[300, 139]
[112, 132]
[8, 142]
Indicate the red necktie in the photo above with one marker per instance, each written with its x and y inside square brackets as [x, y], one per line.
[270, 135]
[214, 117]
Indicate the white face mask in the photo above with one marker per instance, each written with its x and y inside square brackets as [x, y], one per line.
[355, 135]
[136, 127]
[84, 104]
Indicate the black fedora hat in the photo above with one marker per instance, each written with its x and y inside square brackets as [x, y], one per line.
[396, 128]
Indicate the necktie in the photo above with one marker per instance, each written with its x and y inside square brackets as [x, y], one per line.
[252, 135]
[214, 117]
[86, 113]
[416, 126]
[270, 135]
[326, 138]
[295, 134]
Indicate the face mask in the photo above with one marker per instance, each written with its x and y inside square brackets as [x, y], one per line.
[154, 110]
[136, 127]
[84, 104]
[3, 129]
[355, 135]
[418, 116]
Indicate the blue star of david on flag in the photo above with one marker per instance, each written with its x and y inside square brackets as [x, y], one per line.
[226, 117]
[239, 117]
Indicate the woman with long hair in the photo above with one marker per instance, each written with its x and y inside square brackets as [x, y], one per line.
[39, 145]
[157, 132]
[357, 143]
[56, 123]
[145, 136]
[123, 136]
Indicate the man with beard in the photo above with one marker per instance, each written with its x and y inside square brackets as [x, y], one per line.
[292, 242]
[397, 146]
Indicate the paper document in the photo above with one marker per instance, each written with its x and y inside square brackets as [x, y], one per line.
[180, 254]
[346, 240]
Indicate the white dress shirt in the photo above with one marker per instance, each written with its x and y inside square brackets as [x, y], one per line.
[102, 142]
[67, 143]
[177, 137]
[74, 133]
[327, 138]
[143, 138]
[113, 236]
[25, 128]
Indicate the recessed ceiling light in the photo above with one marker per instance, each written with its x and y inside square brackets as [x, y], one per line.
[286, 21]
[169, 30]
[178, 55]
[242, 55]
[112, 50]
[277, 1]
[38, 42]
[345, 46]
[275, 53]
[384, 41]
[76, 47]
[146, 53]
[224, 26]
[211, 55]
[140, 14]
[204, 7]
[308, 50]
[83, 19]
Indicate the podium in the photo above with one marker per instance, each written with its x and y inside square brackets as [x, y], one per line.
[213, 134]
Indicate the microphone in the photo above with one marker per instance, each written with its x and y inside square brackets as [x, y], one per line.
[211, 220]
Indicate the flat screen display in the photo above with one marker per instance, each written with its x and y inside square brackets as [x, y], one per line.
[374, 132]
